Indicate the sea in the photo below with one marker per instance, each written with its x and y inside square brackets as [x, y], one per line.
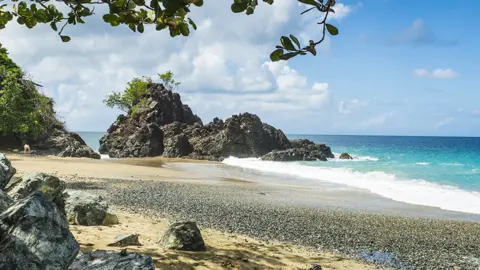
[442, 172]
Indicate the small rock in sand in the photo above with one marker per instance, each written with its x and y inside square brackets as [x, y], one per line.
[183, 236]
[315, 267]
[125, 240]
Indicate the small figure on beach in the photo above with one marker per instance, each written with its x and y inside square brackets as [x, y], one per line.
[26, 148]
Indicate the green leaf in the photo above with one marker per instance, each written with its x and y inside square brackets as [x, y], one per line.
[198, 3]
[53, 26]
[192, 24]
[110, 18]
[184, 29]
[288, 55]
[132, 27]
[139, 2]
[294, 38]
[140, 28]
[268, 1]
[308, 2]
[80, 20]
[287, 43]
[279, 47]
[65, 38]
[238, 7]
[250, 10]
[160, 26]
[21, 20]
[275, 55]
[312, 50]
[332, 29]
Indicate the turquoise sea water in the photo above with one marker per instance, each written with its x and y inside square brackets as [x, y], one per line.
[435, 171]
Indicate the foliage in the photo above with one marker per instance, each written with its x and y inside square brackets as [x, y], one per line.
[163, 14]
[136, 88]
[24, 111]
[124, 101]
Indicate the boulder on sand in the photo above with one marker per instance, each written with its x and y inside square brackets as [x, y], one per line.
[183, 236]
[35, 235]
[49, 185]
[6, 171]
[83, 208]
[109, 260]
[125, 240]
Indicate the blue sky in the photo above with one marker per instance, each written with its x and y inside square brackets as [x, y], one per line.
[394, 69]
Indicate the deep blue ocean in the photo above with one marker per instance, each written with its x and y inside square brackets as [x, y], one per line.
[435, 171]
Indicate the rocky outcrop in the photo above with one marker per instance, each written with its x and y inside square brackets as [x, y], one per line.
[60, 142]
[124, 240]
[159, 124]
[51, 187]
[183, 236]
[103, 260]
[35, 235]
[87, 209]
[5, 201]
[345, 156]
[301, 150]
[6, 171]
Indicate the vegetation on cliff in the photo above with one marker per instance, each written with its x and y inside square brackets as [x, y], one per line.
[24, 111]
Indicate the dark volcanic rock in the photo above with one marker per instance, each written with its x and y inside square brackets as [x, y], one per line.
[51, 187]
[5, 201]
[109, 260]
[35, 235]
[183, 236]
[345, 156]
[301, 150]
[159, 123]
[6, 171]
[60, 142]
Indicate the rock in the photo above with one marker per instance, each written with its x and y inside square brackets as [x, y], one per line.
[345, 156]
[49, 185]
[110, 260]
[177, 146]
[35, 235]
[60, 142]
[110, 219]
[183, 236]
[315, 267]
[83, 208]
[295, 154]
[5, 201]
[125, 240]
[188, 116]
[6, 171]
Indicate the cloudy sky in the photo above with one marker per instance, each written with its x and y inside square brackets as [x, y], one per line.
[394, 69]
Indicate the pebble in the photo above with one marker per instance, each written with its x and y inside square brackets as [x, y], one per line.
[387, 240]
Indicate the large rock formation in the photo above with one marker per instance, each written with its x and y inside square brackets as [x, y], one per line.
[301, 150]
[159, 124]
[6, 171]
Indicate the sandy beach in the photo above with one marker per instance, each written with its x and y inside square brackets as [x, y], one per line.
[247, 225]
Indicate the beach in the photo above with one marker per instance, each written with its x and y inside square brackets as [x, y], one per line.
[286, 225]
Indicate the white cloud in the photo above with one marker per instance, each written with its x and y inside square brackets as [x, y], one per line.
[439, 73]
[375, 121]
[223, 66]
[445, 122]
[347, 107]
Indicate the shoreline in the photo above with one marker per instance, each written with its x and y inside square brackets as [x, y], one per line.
[269, 213]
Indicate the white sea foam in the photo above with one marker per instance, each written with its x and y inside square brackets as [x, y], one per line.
[355, 158]
[423, 163]
[104, 156]
[411, 191]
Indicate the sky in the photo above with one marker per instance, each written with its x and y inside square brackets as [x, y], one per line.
[396, 68]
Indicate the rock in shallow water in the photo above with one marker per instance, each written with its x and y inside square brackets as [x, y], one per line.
[83, 208]
[35, 235]
[183, 236]
[110, 260]
[345, 156]
[6, 171]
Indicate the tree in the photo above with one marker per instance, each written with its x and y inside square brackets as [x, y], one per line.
[163, 14]
[24, 111]
[135, 89]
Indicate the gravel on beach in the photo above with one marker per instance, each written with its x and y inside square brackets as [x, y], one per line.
[265, 212]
